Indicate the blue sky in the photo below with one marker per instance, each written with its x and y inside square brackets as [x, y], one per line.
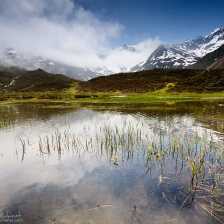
[173, 21]
[87, 33]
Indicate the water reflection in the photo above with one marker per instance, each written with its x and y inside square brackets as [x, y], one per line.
[65, 165]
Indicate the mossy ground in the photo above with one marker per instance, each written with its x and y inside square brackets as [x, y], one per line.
[78, 97]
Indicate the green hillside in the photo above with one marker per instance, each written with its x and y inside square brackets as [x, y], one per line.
[174, 80]
[14, 79]
[152, 85]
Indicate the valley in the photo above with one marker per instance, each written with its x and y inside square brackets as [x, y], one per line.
[157, 85]
[192, 70]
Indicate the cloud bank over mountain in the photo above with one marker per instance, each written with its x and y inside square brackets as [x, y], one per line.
[64, 31]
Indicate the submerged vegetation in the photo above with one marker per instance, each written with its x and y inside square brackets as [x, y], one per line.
[179, 164]
[7, 117]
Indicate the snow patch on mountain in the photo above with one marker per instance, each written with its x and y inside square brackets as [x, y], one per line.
[123, 58]
[183, 55]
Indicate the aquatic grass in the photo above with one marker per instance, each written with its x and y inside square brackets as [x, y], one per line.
[23, 147]
[186, 165]
[8, 117]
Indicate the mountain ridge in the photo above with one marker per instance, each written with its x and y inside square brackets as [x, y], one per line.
[212, 60]
[177, 56]
[185, 54]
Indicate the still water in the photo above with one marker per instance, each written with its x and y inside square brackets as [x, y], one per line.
[152, 163]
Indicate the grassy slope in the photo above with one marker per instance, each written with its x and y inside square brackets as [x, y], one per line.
[37, 81]
[185, 80]
[40, 80]
[7, 74]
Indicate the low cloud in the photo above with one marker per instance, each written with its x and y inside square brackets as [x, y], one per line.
[117, 58]
[62, 31]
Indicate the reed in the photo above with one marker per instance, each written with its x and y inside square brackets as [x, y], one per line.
[196, 158]
[8, 117]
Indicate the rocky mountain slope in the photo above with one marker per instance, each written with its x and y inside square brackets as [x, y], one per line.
[213, 60]
[183, 55]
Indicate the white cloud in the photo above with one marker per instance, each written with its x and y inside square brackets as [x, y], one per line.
[117, 57]
[62, 31]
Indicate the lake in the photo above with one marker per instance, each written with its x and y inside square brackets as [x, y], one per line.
[129, 163]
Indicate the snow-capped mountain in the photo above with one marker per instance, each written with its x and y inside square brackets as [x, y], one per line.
[176, 56]
[128, 47]
[32, 62]
[183, 55]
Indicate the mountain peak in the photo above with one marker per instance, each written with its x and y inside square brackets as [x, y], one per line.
[10, 51]
[128, 47]
[163, 46]
[215, 32]
[185, 54]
